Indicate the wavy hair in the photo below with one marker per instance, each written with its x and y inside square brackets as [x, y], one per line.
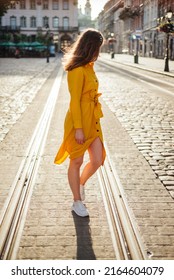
[86, 49]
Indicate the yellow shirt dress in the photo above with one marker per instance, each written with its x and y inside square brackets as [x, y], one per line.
[84, 112]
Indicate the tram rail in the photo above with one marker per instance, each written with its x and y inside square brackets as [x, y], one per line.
[142, 75]
[125, 236]
[15, 208]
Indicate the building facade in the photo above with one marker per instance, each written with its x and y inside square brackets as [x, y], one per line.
[163, 7]
[33, 18]
[111, 26]
[150, 14]
[134, 25]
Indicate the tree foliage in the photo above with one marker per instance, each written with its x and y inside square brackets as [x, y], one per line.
[4, 6]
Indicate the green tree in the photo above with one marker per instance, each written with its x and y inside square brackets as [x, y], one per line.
[5, 4]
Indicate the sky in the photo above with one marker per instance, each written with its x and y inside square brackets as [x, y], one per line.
[97, 6]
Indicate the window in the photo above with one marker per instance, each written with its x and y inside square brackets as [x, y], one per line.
[45, 4]
[65, 4]
[23, 22]
[55, 22]
[55, 4]
[32, 22]
[33, 4]
[13, 6]
[65, 23]
[45, 21]
[13, 22]
[23, 4]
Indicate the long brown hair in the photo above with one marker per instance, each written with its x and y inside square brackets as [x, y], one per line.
[84, 50]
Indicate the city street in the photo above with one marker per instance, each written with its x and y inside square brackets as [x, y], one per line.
[138, 128]
[145, 110]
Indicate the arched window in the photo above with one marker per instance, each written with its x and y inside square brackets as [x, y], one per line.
[23, 22]
[33, 22]
[45, 21]
[65, 23]
[55, 22]
[13, 22]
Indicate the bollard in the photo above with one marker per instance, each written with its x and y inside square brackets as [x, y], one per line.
[136, 58]
[112, 55]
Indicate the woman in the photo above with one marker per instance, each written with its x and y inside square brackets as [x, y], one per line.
[82, 129]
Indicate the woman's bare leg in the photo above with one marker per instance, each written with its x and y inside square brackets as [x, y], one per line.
[74, 176]
[96, 157]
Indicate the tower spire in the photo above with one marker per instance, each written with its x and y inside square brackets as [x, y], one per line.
[88, 9]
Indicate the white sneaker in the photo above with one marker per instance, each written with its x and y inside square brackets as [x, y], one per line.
[79, 208]
[82, 192]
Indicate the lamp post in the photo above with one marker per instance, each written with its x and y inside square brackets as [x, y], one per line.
[48, 41]
[166, 58]
[111, 41]
[165, 25]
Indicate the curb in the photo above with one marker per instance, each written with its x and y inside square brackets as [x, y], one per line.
[139, 67]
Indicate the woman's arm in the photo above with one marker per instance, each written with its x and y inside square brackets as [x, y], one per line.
[75, 85]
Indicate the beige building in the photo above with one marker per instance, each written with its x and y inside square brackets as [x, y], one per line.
[149, 27]
[38, 17]
[111, 26]
[135, 26]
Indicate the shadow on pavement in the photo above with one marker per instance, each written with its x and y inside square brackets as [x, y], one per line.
[84, 241]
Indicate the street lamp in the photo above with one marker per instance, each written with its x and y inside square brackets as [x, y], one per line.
[111, 41]
[165, 25]
[48, 41]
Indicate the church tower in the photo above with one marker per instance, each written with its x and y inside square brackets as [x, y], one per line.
[88, 9]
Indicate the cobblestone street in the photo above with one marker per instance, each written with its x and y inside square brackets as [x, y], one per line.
[138, 127]
[19, 83]
[148, 117]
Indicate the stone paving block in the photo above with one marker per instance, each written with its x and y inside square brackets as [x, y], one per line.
[30, 240]
[146, 209]
[11, 152]
[167, 252]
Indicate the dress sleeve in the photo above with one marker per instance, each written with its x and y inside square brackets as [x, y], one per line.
[75, 85]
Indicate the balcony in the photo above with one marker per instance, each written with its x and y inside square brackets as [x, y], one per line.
[129, 12]
[68, 29]
[118, 5]
[10, 28]
[111, 7]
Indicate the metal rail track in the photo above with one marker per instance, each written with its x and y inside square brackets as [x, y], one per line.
[13, 214]
[126, 240]
[139, 75]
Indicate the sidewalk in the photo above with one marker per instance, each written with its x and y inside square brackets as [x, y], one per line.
[147, 63]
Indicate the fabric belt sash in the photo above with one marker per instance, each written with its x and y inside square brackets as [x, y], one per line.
[94, 102]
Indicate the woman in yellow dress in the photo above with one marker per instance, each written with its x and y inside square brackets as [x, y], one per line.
[82, 130]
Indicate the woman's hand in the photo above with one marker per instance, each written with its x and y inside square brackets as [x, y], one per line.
[79, 136]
